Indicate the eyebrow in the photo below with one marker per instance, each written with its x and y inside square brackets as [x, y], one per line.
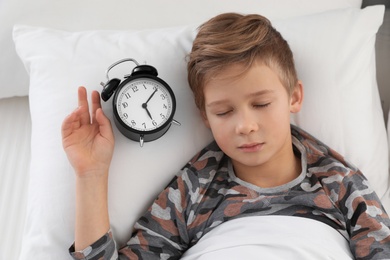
[255, 94]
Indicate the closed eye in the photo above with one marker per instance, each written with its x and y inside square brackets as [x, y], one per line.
[223, 113]
[261, 105]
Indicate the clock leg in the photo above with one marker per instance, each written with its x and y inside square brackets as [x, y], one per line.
[141, 140]
[176, 122]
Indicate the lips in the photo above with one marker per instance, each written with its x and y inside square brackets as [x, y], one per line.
[251, 147]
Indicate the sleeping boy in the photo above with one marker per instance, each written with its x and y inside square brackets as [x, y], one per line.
[243, 78]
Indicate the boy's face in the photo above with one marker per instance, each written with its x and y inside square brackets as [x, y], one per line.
[249, 115]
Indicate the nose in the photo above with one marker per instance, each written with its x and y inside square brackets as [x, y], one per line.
[247, 123]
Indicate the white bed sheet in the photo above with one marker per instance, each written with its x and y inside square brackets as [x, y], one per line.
[271, 237]
[15, 136]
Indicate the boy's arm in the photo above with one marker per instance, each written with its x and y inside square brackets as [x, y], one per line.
[161, 233]
[89, 142]
[368, 223]
[92, 220]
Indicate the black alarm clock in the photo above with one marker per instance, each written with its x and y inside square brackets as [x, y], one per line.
[144, 105]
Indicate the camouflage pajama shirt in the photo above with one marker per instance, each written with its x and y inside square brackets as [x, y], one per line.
[206, 193]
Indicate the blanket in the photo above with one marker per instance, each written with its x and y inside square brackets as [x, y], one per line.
[271, 237]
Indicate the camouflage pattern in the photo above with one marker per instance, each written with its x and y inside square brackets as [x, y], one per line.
[206, 193]
[104, 248]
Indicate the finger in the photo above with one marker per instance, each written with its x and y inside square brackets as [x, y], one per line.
[105, 127]
[95, 104]
[70, 123]
[83, 105]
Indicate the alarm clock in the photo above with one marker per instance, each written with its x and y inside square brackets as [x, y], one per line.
[143, 104]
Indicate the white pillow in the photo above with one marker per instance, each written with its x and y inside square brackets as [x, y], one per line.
[331, 49]
[125, 14]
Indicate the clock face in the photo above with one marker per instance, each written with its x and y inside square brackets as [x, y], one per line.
[144, 104]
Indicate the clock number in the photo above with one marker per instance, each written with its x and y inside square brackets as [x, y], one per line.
[127, 95]
[124, 104]
[144, 86]
[144, 125]
[133, 123]
[154, 123]
[135, 89]
[162, 96]
[165, 106]
[162, 116]
[155, 88]
[125, 115]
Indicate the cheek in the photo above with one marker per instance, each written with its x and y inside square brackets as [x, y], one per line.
[220, 129]
[281, 112]
[279, 122]
[275, 121]
[222, 139]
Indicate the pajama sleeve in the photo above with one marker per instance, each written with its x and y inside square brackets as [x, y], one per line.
[367, 221]
[104, 248]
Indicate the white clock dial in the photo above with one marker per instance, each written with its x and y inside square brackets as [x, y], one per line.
[144, 104]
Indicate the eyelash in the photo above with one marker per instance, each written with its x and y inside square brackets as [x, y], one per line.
[262, 105]
[255, 106]
[223, 114]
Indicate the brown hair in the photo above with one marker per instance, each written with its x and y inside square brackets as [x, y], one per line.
[233, 38]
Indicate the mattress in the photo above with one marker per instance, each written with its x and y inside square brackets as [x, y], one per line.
[15, 136]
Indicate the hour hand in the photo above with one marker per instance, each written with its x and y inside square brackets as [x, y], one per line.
[145, 106]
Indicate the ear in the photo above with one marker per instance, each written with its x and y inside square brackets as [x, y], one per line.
[296, 98]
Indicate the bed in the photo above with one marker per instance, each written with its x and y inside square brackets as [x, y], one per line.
[49, 48]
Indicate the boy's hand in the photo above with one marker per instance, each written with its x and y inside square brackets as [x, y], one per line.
[87, 139]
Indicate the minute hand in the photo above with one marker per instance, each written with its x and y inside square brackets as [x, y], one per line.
[151, 96]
